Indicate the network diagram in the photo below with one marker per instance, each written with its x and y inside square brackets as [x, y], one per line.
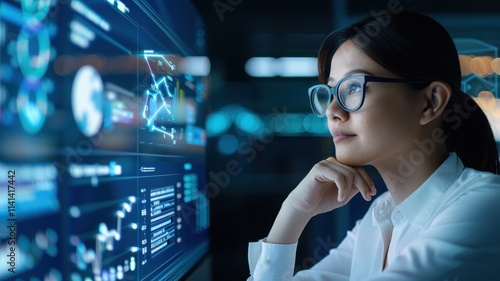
[160, 98]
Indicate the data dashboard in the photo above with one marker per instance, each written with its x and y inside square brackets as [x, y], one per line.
[102, 140]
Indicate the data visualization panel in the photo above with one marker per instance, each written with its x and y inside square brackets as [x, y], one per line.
[102, 140]
[169, 114]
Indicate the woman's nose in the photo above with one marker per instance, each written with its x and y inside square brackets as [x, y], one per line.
[334, 111]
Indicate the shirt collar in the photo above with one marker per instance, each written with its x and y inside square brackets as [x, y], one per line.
[419, 206]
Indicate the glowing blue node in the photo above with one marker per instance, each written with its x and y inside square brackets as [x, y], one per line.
[217, 123]
[296, 124]
[307, 122]
[227, 145]
[248, 122]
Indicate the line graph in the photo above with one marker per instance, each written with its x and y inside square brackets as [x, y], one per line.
[104, 241]
[160, 96]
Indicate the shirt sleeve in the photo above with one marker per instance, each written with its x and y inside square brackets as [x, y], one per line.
[270, 262]
[273, 262]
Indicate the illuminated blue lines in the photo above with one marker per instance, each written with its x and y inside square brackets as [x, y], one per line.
[160, 96]
[164, 132]
[164, 82]
[153, 96]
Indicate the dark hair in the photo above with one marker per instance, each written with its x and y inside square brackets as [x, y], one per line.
[415, 46]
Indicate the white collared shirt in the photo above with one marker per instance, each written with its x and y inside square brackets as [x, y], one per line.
[446, 230]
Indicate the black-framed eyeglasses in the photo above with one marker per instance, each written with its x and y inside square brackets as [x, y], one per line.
[349, 92]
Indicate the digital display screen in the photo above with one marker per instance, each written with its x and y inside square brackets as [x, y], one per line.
[102, 140]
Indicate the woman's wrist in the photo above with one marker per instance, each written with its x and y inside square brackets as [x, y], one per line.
[288, 225]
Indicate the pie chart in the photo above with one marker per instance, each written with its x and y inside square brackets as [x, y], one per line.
[87, 100]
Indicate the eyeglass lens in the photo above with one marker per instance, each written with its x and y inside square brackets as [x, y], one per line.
[350, 93]
[320, 100]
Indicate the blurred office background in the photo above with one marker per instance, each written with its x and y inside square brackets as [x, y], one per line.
[263, 138]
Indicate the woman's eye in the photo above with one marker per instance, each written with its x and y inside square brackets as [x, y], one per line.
[354, 88]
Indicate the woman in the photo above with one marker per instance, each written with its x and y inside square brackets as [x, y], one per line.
[392, 99]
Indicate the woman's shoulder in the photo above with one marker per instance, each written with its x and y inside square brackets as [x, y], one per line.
[472, 179]
[472, 202]
[475, 188]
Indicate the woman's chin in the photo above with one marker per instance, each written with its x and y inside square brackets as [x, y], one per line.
[350, 160]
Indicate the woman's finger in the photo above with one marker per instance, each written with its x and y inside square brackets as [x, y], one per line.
[361, 180]
[341, 176]
[369, 185]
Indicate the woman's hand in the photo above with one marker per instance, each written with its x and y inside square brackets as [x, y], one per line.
[329, 185]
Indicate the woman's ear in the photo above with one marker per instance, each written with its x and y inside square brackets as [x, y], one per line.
[436, 95]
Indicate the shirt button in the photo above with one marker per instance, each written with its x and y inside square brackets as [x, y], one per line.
[396, 218]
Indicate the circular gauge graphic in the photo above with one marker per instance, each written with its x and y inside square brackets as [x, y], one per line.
[3, 32]
[87, 98]
[3, 98]
[37, 9]
[32, 105]
[33, 50]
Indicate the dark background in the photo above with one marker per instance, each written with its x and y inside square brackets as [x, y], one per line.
[243, 210]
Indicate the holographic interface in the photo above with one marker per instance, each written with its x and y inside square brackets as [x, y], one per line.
[103, 123]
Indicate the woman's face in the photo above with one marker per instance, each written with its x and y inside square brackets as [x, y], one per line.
[387, 124]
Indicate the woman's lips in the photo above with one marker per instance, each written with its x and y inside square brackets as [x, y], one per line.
[339, 136]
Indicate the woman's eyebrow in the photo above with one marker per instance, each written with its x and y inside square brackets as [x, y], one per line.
[350, 73]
